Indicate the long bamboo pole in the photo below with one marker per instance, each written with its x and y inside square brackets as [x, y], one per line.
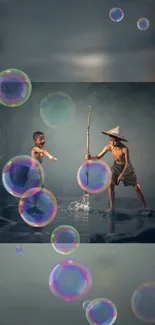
[85, 198]
[88, 141]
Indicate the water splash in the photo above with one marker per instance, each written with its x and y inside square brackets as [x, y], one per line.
[80, 205]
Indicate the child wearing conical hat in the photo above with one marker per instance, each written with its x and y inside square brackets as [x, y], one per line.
[122, 169]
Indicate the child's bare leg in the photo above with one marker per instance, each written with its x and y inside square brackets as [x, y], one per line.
[140, 195]
[111, 193]
[85, 198]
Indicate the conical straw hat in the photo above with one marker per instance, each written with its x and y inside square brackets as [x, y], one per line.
[114, 133]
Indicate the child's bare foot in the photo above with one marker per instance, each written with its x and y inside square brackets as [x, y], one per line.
[110, 209]
[144, 209]
[85, 199]
[144, 212]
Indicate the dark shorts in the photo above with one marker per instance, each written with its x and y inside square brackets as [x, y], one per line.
[130, 178]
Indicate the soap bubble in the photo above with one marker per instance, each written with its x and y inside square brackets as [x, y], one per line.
[57, 109]
[99, 176]
[19, 250]
[38, 207]
[143, 24]
[86, 304]
[2, 143]
[143, 302]
[116, 14]
[101, 311]
[65, 239]
[15, 87]
[22, 173]
[70, 280]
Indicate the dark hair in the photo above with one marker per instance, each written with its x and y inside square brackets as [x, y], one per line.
[37, 134]
[114, 138]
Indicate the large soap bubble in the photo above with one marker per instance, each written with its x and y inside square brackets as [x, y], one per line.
[70, 280]
[57, 109]
[15, 87]
[38, 207]
[99, 176]
[143, 302]
[22, 173]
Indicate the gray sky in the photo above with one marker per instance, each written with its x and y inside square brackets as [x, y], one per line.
[76, 41]
[117, 270]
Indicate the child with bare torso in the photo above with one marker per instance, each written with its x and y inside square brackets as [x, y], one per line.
[122, 169]
[37, 151]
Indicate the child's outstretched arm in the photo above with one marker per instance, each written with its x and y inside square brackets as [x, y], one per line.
[42, 151]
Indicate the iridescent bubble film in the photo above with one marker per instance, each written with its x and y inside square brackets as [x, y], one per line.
[65, 239]
[143, 24]
[19, 250]
[15, 87]
[99, 176]
[116, 14]
[86, 304]
[38, 207]
[57, 109]
[143, 302]
[22, 173]
[70, 280]
[2, 142]
[101, 311]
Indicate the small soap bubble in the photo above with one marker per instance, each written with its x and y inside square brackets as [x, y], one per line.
[116, 14]
[143, 24]
[19, 250]
[86, 304]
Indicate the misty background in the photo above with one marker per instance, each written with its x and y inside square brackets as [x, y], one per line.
[129, 105]
[117, 270]
[76, 41]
